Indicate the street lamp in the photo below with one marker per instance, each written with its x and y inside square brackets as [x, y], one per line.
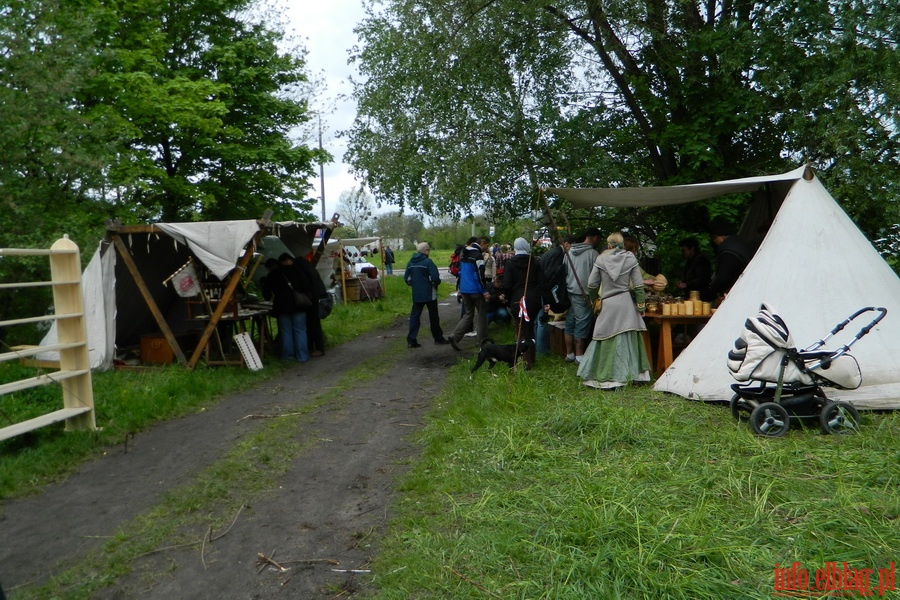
[321, 169]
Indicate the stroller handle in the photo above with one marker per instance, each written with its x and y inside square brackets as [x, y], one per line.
[839, 327]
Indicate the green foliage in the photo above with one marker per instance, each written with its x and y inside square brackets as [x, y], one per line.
[146, 110]
[533, 486]
[456, 113]
[396, 225]
[140, 110]
[207, 99]
[471, 104]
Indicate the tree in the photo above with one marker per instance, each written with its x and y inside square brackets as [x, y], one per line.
[183, 110]
[142, 110]
[396, 225]
[355, 208]
[206, 102]
[457, 115]
[472, 100]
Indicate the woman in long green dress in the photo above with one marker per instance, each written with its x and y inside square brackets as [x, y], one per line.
[616, 355]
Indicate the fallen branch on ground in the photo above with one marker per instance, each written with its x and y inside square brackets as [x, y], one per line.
[475, 583]
[263, 560]
[212, 539]
[261, 416]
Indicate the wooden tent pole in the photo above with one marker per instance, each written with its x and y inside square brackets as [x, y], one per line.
[381, 252]
[343, 273]
[223, 302]
[125, 255]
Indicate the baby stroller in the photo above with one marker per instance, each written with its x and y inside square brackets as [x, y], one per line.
[785, 384]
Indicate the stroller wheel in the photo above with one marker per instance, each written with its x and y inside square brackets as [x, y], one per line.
[770, 419]
[740, 408]
[839, 418]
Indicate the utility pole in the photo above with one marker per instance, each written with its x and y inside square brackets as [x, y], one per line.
[321, 170]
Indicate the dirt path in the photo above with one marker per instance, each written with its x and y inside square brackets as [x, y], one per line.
[331, 504]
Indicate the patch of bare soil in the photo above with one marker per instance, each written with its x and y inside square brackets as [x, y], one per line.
[304, 539]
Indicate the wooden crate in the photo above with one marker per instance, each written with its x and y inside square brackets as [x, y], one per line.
[557, 338]
[155, 350]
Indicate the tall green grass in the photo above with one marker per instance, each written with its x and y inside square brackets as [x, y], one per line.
[532, 486]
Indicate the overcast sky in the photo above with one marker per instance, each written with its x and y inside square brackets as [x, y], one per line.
[326, 30]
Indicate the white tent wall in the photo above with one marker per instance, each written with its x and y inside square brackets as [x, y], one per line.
[814, 266]
[99, 301]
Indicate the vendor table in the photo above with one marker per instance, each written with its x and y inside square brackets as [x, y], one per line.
[664, 356]
[254, 320]
[371, 289]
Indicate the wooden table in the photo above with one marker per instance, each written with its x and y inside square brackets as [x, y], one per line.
[256, 317]
[664, 356]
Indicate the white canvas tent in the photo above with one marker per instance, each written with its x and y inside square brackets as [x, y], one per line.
[814, 266]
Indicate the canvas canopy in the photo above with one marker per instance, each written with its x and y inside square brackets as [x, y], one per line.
[814, 267]
[285, 237]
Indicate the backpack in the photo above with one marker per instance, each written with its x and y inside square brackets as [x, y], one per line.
[555, 294]
[454, 262]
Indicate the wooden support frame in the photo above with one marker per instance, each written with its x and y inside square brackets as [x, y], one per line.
[233, 282]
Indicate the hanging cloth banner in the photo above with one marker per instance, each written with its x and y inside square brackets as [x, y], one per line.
[185, 281]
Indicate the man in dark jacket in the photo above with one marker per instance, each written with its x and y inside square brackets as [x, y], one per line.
[292, 318]
[697, 269]
[474, 291]
[388, 260]
[315, 333]
[523, 282]
[732, 256]
[422, 275]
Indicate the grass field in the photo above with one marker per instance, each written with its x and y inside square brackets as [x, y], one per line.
[532, 486]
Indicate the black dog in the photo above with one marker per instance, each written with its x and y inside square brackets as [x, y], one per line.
[494, 353]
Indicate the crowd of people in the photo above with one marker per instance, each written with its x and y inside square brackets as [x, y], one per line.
[499, 283]
[512, 285]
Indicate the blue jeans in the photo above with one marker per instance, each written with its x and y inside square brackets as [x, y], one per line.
[389, 268]
[541, 336]
[294, 344]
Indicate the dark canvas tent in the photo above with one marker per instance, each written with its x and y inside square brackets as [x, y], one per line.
[814, 267]
[125, 285]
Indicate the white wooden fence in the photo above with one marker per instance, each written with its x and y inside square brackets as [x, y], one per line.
[74, 374]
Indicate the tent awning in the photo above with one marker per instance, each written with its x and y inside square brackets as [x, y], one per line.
[665, 196]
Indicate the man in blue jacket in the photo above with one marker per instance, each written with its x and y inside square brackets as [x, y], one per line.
[422, 275]
[474, 291]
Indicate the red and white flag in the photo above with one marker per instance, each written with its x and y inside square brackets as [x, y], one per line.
[523, 310]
